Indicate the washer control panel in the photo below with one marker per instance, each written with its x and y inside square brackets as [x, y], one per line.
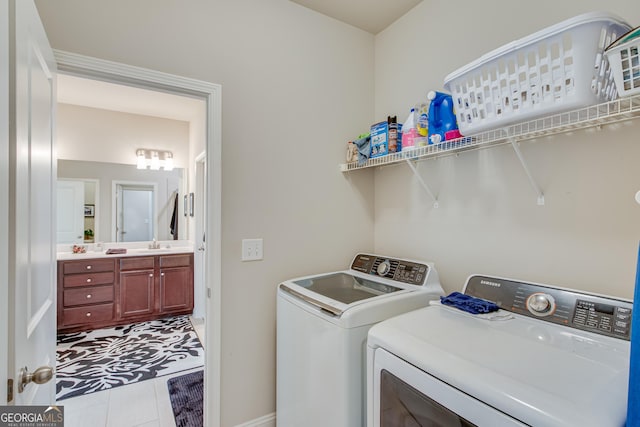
[594, 313]
[395, 269]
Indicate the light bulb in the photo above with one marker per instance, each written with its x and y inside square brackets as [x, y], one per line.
[155, 161]
[168, 161]
[141, 162]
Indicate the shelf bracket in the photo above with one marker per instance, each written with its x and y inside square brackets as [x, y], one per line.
[422, 183]
[525, 166]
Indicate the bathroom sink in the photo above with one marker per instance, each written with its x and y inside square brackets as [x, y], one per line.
[145, 251]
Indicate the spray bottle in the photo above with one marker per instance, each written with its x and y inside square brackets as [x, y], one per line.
[409, 131]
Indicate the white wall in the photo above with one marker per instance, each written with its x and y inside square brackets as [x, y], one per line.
[585, 237]
[296, 87]
[197, 138]
[95, 134]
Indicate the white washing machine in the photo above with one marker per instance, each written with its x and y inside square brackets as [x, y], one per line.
[322, 325]
[556, 357]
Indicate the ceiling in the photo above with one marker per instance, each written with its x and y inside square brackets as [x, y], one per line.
[109, 96]
[369, 15]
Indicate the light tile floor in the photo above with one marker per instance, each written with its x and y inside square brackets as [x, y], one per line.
[143, 404]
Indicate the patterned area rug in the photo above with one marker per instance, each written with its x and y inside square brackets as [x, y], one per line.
[107, 358]
[186, 393]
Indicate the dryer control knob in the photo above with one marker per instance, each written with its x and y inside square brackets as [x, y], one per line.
[384, 267]
[540, 304]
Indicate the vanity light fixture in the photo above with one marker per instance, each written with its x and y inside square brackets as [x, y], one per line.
[154, 160]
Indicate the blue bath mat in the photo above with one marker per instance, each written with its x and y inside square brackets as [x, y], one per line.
[186, 394]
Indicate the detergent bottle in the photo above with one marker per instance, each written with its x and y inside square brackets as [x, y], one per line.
[442, 118]
[423, 120]
[409, 131]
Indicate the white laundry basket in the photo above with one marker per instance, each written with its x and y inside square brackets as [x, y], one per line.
[556, 69]
[624, 58]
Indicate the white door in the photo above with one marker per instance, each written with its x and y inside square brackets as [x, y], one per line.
[135, 213]
[31, 221]
[70, 212]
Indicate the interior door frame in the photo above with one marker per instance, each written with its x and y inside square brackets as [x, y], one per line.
[113, 72]
[4, 192]
[200, 165]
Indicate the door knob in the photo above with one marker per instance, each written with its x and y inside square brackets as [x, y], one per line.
[39, 376]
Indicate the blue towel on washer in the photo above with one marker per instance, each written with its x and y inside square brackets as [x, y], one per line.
[468, 303]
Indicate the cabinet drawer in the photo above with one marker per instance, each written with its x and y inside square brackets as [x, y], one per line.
[92, 295]
[89, 279]
[136, 263]
[88, 265]
[88, 314]
[183, 260]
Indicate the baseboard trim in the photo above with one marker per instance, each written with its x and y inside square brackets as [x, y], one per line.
[268, 420]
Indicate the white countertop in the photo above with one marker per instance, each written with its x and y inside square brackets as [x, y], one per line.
[133, 249]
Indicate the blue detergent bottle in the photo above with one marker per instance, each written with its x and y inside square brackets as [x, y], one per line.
[441, 116]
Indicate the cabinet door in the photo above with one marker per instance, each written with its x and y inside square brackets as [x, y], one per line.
[176, 289]
[136, 293]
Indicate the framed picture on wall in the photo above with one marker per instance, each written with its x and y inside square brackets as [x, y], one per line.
[89, 210]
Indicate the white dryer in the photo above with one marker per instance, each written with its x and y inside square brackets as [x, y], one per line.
[552, 357]
[322, 325]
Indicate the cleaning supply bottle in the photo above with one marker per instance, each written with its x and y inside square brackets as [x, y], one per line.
[392, 129]
[423, 120]
[442, 118]
[409, 131]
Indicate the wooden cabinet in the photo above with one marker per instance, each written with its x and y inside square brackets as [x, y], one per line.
[95, 293]
[86, 290]
[137, 286]
[176, 283]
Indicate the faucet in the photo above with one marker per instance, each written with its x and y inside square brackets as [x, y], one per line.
[154, 244]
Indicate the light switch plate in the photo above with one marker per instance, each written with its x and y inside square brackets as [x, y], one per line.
[251, 249]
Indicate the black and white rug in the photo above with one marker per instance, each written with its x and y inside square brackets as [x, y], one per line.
[106, 358]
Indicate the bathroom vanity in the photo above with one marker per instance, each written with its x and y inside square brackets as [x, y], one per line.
[98, 290]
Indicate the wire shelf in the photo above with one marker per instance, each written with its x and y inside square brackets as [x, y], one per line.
[619, 110]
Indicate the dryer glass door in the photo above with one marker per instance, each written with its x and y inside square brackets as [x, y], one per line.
[403, 405]
[345, 288]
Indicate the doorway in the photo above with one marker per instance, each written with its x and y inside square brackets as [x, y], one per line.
[135, 207]
[210, 220]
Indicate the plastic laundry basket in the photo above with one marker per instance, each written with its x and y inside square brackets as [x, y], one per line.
[556, 69]
[625, 63]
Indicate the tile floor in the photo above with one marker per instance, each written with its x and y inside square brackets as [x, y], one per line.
[143, 404]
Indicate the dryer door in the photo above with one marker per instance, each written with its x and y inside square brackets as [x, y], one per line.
[403, 395]
[403, 405]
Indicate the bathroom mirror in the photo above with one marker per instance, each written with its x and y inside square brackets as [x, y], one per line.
[107, 202]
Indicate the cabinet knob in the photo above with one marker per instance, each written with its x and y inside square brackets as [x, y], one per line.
[89, 280]
[88, 296]
[89, 314]
[88, 267]
[161, 274]
[150, 275]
